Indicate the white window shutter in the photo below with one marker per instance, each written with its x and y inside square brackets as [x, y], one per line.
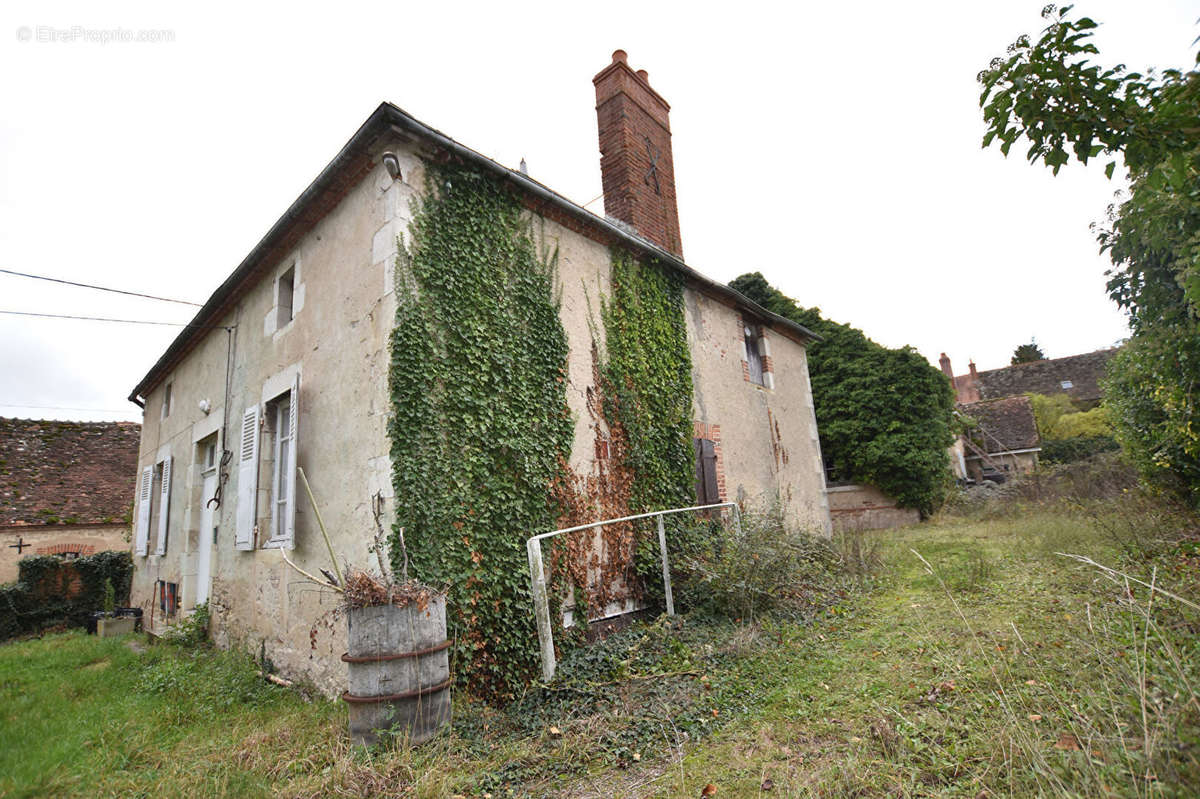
[164, 506]
[290, 474]
[143, 518]
[247, 493]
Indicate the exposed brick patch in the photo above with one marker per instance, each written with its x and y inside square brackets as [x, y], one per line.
[712, 432]
[65, 549]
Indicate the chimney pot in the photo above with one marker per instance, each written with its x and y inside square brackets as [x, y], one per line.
[973, 372]
[621, 56]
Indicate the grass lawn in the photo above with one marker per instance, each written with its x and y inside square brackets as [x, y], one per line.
[992, 667]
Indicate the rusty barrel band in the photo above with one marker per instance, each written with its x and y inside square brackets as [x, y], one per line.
[398, 656]
[370, 700]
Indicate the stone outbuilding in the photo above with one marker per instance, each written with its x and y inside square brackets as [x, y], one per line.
[287, 365]
[1004, 440]
[65, 488]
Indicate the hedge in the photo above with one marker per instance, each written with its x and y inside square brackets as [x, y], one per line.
[52, 591]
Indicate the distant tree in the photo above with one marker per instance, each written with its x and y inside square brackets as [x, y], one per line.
[884, 416]
[1028, 353]
[1049, 93]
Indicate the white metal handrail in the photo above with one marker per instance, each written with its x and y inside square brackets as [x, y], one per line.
[537, 572]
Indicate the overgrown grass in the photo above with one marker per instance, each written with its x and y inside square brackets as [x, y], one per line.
[978, 662]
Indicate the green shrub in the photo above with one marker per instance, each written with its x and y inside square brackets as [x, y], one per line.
[722, 570]
[192, 630]
[1069, 450]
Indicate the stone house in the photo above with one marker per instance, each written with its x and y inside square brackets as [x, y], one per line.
[287, 365]
[64, 488]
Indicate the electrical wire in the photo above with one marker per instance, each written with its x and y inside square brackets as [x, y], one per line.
[109, 319]
[98, 288]
[62, 408]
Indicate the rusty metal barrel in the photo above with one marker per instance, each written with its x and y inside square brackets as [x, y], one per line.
[399, 681]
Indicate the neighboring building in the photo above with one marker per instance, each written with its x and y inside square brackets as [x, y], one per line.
[65, 488]
[1005, 439]
[1077, 376]
[287, 364]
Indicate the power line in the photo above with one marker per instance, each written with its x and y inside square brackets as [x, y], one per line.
[64, 408]
[98, 288]
[98, 319]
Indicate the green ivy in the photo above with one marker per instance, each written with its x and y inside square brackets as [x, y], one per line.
[480, 427]
[39, 597]
[648, 376]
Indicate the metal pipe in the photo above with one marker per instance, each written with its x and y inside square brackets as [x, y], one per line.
[662, 545]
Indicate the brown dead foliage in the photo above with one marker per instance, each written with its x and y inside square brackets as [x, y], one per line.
[366, 590]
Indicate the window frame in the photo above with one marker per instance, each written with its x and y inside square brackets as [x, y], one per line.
[755, 365]
[288, 278]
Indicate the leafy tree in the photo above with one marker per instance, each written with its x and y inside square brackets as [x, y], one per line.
[1057, 418]
[1066, 107]
[884, 415]
[1028, 353]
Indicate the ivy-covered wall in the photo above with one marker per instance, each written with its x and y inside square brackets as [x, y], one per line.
[481, 432]
[648, 372]
[480, 428]
[50, 591]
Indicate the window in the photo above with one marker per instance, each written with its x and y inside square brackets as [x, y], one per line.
[754, 360]
[287, 292]
[166, 406]
[1067, 384]
[267, 456]
[283, 478]
[154, 503]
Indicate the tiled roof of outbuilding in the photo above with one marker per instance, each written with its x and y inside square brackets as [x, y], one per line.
[1005, 424]
[67, 472]
[1047, 377]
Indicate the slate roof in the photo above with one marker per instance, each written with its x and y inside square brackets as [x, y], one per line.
[1005, 424]
[67, 472]
[1047, 376]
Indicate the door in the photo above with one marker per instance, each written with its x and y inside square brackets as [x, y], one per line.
[208, 530]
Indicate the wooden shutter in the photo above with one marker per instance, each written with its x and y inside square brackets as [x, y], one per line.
[164, 504]
[247, 493]
[143, 518]
[708, 465]
[706, 472]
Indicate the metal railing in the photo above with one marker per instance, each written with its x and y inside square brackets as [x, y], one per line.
[537, 573]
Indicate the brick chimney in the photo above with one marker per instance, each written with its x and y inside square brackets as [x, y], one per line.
[635, 153]
[946, 370]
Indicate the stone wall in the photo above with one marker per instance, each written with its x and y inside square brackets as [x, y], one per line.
[865, 507]
[26, 540]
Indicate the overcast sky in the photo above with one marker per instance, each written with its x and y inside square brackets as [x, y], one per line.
[833, 147]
